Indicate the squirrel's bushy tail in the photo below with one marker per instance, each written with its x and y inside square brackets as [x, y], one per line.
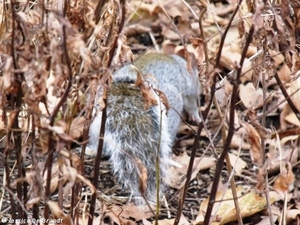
[133, 135]
[136, 134]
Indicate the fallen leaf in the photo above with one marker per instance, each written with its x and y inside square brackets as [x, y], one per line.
[294, 90]
[58, 214]
[177, 174]
[292, 119]
[124, 214]
[182, 221]
[237, 163]
[251, 98]
[292, 215]
[285, 179]
[224, 210]
[76, 129]
[255, 142]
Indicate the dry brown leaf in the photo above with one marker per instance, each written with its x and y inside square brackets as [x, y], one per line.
[145, 8]
[223, 93]
[224, 211]
[288, 155]
[229, 59]
[263, 132]
[290, 138]
[170, 34]
[163, 98]
[76, 129]
[211, 19]
[126, 213]
[84, 220]
[2, 127]
[197, 48]
[69, 174]
[149, 95]
[284, 72]
[143, 176]
[32, 201]
[292, 215]
[260, 177]
[54, 177]
[238, 140]
[251, 98]
[60, 131]
[286, 110]
[237, 163]
[255, 141]
[222, 9]
[187, 142]
[285, 179]
[177, 175]
[51, 99]
[292, 119]
[252, 50]
[35, 180]
[58, 214]
[136, 29]
[188, 129]
[182, 221]
[266, 219]
[174, 12]
[285, 133]
[246, 71]
[295, 88]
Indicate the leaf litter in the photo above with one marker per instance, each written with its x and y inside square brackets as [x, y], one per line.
[43, 52]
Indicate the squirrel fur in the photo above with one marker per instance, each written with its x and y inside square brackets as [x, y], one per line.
[133, 131]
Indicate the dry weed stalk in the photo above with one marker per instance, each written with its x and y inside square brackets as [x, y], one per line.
[52, 53]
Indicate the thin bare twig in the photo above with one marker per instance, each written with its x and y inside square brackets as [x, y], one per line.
[230, 131]
[287, 96]
[104, 115]
[204, 115]
[63, 99]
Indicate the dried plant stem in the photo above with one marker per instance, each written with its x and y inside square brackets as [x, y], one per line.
[104, 113]
[263, 123]
[230, 130]
[21, 204]
[287, 96]
[157, 170]
[63, 99]
[35, 209]
[17, 102]
[204, 116]
[202, 13]
[99, 10]
[221, 116]
[284, 210]
[228, 165]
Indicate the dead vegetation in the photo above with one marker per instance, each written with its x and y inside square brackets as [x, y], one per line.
[54, 54]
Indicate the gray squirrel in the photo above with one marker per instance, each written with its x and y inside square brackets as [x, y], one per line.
[133, 131]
